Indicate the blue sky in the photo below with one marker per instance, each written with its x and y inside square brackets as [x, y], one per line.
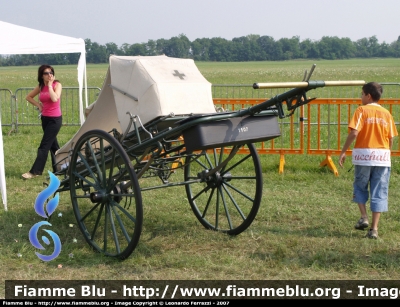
[137, 21]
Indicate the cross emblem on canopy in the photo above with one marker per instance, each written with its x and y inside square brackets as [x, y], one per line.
[178, 74]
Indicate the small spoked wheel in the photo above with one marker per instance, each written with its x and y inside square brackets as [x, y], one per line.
[228, 199]
[105, 194]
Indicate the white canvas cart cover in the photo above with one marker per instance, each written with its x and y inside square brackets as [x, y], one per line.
[146, 86]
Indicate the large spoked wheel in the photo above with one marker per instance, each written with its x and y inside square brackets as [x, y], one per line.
[105, 194]
[227, 200]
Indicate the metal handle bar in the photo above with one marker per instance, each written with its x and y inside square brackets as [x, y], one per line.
[298, 92]
[304, 84]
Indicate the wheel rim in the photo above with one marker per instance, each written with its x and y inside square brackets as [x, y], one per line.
[229, 199]
[105, 195]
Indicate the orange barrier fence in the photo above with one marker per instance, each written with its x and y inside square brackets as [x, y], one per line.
[325, 127]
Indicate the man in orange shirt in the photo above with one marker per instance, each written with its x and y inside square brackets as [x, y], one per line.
[373, 128]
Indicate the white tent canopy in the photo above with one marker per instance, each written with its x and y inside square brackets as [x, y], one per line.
[21, 40]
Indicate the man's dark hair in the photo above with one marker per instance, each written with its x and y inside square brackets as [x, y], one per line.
[374, 89]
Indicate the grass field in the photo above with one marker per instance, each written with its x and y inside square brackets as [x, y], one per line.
[303, 231]
[381, 70]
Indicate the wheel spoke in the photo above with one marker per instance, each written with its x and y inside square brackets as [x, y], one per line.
[78, 176]
[93, 155]
[210, 197]
[127, 214]
[102, 173]
[121, 224]
[93, 234]
[110, 175]
[236, 164]
[235, 203]
[116, 180]
[220, 190]
[90, 212]
[216, 209]
[239, 191]
[89, 168]
[113, 229]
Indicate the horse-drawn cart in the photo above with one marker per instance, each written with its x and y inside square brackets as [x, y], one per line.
[154, 121]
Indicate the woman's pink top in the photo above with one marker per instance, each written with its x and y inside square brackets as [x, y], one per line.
[50, 108]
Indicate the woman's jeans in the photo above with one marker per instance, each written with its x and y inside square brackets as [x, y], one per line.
[51, 126]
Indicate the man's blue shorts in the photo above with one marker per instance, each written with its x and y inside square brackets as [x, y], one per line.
[378, 179]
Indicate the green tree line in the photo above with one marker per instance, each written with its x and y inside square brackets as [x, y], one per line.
[240, 49]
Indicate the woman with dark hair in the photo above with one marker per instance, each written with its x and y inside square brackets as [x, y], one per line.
[49, 91]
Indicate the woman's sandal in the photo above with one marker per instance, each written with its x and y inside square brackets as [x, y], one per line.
[29, 175]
